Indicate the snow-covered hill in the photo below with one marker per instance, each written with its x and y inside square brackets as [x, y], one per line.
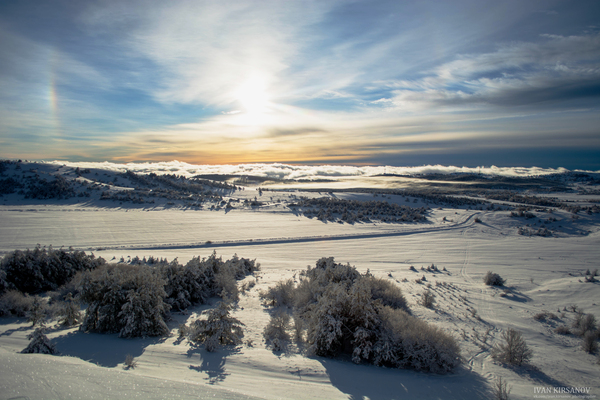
[544, 275]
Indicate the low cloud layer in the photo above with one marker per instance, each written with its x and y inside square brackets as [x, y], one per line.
[286, 171]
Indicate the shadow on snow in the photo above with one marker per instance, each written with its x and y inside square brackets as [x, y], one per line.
[105, 350]
[213, 363]
[378, 383]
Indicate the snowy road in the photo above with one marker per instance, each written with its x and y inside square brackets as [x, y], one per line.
[95, 229]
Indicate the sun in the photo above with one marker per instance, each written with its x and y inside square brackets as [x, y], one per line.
[253, 96]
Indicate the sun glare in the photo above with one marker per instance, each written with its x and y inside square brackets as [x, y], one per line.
[253, 96]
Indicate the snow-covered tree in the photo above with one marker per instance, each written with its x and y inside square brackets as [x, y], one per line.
[407, 342]
[282, 294]
[39, 343]
[275, 333]
[493, 279]
[219, 328]
[39, 269]
[513, 350]
[201, 279]
[37, 313]
[125, 299]
[325, 322]
[16, 303]
[4, 285]
[144, 309]
[345, 312]
[71, 312]
[364, 320]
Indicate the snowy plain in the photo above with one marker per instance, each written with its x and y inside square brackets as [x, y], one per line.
[542, 274]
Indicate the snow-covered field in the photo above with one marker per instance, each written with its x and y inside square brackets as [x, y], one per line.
[542, 274]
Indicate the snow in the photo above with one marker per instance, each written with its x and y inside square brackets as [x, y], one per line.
[541, 273]
[42, 376]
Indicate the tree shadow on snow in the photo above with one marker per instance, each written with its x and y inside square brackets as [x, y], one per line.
[378, 383]
[106, 350]
[20, 329]
[15, 320]
[488, 225]
[536, 375]
[213, 363]
[513, 295]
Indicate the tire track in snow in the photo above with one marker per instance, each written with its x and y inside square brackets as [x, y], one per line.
[285, 240]
[483, 307]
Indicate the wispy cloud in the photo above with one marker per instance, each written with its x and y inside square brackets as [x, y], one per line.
[206, 50]
[556, 70]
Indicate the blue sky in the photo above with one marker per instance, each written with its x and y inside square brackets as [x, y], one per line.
[508, 83]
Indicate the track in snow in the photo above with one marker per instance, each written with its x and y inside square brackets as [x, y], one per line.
[287, 240]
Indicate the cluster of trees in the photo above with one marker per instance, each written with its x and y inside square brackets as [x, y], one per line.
[544, 232]
[56, 188]
[203, 278]
[171, 187]
[522, 213]
[574, 177]
[428, 196]
[331, 209]
[542, 202]
[435, 197]
[523, 199]
[575, 209]
[4, 165]
[24, 275]
[9, 185]
[126, 299]
[129, 299]
[175, 182]
[584, 325]
[130, 196]
[43, 269]
[134, 300]
[336, 310]
[36, 187]
[341, 311]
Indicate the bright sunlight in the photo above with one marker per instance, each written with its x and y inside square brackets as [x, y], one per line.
[253, 95]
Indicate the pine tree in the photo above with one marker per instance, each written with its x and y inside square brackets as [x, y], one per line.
[36, 314]
[71, 314]
[144, 310]
[220, 328]
[39, 343]
[365, 320]
[275, 333]
[324, 331]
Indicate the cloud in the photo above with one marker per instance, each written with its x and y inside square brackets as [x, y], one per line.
[553, 72]
[286, 171]
[524, 56]
[276, 132]
[206, 50]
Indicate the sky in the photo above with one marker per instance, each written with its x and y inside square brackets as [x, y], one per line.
[399, 83]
